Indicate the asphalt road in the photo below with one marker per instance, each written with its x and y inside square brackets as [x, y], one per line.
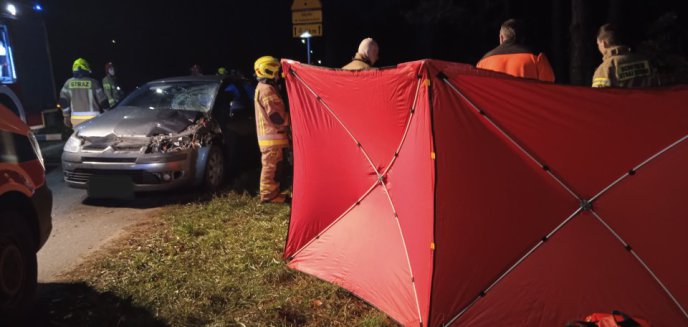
[81, 226]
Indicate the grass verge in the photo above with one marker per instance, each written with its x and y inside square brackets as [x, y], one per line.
[216, 263]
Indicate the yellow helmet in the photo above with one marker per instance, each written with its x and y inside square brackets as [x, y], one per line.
[267, 67]
[81, 64]
[222, 71]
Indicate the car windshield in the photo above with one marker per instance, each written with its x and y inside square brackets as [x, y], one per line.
[182, 95]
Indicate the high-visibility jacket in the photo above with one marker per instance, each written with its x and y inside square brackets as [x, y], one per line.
[621, 67]
[81, 99]
[112, 90]
[518, 60]
[272, 120]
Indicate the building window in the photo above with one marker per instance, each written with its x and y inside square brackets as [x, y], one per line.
[7, 72]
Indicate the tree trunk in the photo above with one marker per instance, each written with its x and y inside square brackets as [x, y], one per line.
[558, 39]
[578, 41]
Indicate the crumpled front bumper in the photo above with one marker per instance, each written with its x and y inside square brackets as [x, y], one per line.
[148, 172]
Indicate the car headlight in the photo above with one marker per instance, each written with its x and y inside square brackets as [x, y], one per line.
[36, 149]
[73, 144]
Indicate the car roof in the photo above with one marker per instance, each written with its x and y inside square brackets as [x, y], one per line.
[202, 78]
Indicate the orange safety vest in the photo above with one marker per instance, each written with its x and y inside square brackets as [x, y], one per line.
[268, 103]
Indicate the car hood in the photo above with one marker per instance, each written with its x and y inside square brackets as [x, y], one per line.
[136, 121]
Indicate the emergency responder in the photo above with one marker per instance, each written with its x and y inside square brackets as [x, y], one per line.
[195, 70]
[272, 127]
[110, 86]
[81, 97]
[366, 56]
[513, 57]
[221, 71]
[620, 67]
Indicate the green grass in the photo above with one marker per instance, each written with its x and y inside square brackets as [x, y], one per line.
[217, 263]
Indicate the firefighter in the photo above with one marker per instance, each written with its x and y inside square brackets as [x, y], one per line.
[195, 70]
[272, 126]
[221, 71]
[513, 57]
[620, 67]
[81, 97]
[110, 86]
[366, 56]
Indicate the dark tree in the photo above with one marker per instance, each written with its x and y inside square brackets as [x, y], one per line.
[580, 62]
[558, 40]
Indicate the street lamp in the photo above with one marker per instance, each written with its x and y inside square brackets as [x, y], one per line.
[12, 9]
[307, 36]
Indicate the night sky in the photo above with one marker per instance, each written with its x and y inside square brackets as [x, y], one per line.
[156, 39]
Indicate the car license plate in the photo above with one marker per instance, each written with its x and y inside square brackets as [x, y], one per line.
[115, 186]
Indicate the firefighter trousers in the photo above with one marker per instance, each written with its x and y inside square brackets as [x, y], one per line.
[271, 157]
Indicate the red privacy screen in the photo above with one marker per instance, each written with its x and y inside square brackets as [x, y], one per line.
[446, 195]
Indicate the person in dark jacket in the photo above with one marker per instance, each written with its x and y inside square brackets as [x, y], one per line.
[110, 86]
[513, 57]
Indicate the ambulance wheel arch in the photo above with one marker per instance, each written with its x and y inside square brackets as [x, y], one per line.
[18, 266]
[10, 100]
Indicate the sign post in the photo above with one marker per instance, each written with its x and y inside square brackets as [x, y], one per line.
[306, 18]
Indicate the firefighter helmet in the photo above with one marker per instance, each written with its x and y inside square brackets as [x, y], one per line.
[267, 67]
[222, 71]
[81, 64]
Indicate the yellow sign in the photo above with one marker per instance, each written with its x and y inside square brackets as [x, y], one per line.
[305, 5]
[306, 17]
[313, 29]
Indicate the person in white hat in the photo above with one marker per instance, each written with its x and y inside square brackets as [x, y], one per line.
[366, 56]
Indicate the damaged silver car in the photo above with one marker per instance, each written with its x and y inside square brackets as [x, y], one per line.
[167, 133]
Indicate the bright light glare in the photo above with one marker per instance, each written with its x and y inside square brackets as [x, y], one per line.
[159, 91]
[306, 35]
[319, 62]
[38, 7]
[113, 41]
[12, 9]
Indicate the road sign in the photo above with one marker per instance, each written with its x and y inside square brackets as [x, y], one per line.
[305, 5]
[306, 17]
[313, 29]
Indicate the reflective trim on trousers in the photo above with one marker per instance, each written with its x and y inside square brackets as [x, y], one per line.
[76, 120]
[267, 143]
[85, 113]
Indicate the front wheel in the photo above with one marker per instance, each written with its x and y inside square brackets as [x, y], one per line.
[214, 169]
[18, 268]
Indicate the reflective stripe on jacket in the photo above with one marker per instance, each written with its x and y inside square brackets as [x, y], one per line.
[621, 67]
[272, 120]
[518, 60]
